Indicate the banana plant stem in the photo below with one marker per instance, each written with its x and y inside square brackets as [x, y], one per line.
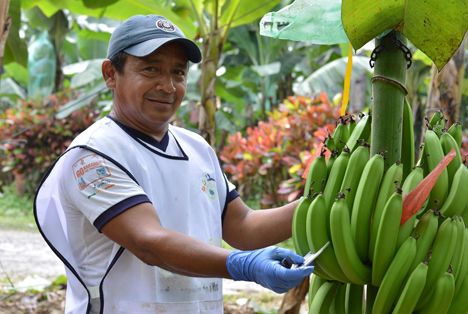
[388, 89]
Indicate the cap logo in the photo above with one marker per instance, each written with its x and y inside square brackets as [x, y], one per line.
[165, 26]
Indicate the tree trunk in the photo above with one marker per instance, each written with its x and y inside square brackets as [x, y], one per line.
[5, 23]
[292, 299]
[445, 89]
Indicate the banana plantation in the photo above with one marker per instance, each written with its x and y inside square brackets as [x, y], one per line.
[357, 108]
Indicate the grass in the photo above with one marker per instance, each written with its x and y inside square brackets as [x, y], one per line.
[16, 211]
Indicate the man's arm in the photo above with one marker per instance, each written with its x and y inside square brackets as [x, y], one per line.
[248, 229]
[139, 230]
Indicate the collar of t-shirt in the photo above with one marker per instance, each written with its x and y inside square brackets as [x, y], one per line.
[162, 145]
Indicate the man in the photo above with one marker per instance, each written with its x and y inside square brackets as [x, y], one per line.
[137, 209]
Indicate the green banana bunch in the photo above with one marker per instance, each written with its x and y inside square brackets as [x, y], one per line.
[442, 296]
[442, 252]
[411, 181]
[323, 298]
[433, 148]
[386, 237]
[317, 236]
[459, 247]
[340, 134]
[412, 290]
[315, 283]
[320, 272]
[364, 202]
[448, 142]
[463, 272]
[356, 165]
[317, 173]
[394, 277]
[387, 189]
[345, 250]
[362, 131]
[334, 181]
[338, 306]
[407, 141]
[460, 301]
[457, 133]
[457, 198]
[299, 234]
[354, 298]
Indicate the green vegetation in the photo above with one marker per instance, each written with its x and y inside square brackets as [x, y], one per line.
[16, 211]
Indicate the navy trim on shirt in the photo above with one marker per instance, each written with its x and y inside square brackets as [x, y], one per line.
[144, 137]
[119, 208]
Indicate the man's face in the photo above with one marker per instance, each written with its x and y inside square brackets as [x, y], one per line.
[150, 89]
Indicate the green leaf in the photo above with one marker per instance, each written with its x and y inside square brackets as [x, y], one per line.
[18, 72]
[92, 72]
[90, 44]
[93, 4]
[239, 12]
[81, 101]
[435, 27]
[267, 69]
[15, 47]
[294, 168]
[419, 55]
[9, 88]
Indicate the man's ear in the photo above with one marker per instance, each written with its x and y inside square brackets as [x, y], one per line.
[109, 73]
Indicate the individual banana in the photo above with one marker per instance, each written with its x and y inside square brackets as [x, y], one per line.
[334, 181]
[442, 251]
[448, 143]
[412, 180]
[338, 306]
[324, 297]
[425, 231]
[437, 118]
[317, 173]
[386, 237]
[438, 128]
[363, 203]
[412, 290]
[407, 141]
[442, 296]
[457, 133]
[345, 250]
[340, 134]
[394, 277]
[351, 124]
[387, 189]
[317, 236]
[362, 131]
[459, 247]
[356, 165]
[299, 234]
[331, 160]
[459, 303]
[434, 155]
[463, 272]
[321, 273]
[457, 198]
[329, 142]
[354, 298]
[315, 283]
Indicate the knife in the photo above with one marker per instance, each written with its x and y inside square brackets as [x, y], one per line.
[288, 262]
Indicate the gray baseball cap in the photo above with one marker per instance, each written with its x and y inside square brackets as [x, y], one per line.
[140, 35]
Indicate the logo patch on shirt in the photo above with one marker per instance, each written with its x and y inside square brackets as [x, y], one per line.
[209, 186]
[90, 169]
[165, 26]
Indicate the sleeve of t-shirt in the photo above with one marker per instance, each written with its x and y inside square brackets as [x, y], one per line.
[98, 188]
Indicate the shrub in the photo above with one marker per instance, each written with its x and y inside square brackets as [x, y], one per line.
[272, 157]
[31, 153]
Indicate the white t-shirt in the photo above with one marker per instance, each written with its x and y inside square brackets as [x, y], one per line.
[94, 190]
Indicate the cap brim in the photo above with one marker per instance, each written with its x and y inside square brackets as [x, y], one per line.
[149, 46]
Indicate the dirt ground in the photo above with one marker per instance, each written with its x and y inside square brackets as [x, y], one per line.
[25, 256]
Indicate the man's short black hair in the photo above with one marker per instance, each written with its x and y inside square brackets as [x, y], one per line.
[118, 61]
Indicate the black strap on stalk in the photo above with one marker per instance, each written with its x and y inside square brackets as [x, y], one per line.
[377, 50]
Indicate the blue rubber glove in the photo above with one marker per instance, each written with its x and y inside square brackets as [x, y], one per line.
[263, 267]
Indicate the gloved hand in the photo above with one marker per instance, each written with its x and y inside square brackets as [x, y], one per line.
[263, 267]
